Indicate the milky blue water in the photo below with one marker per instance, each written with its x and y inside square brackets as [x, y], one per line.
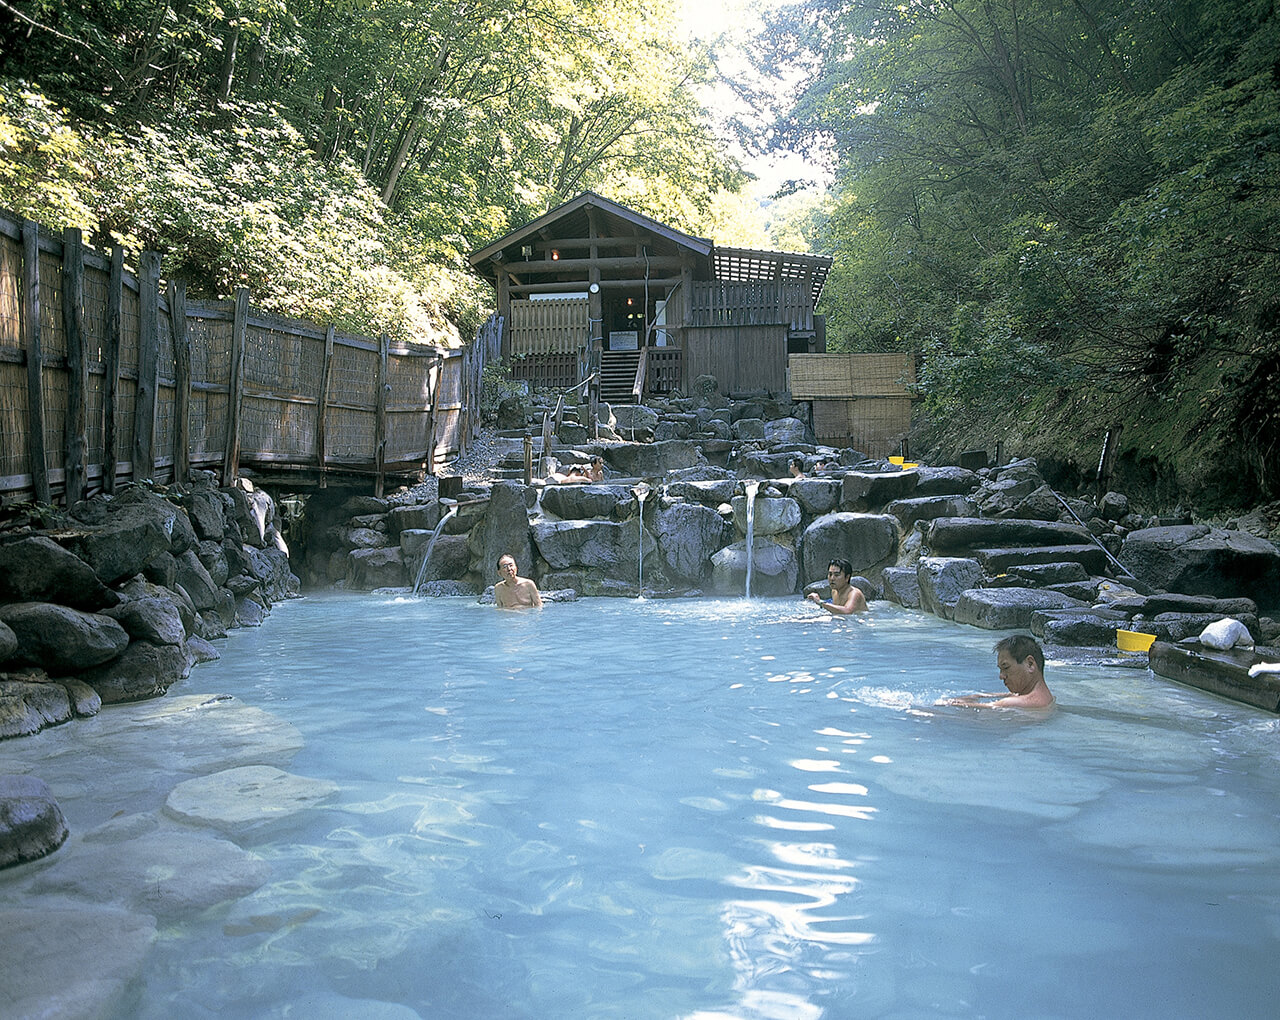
[712, 809]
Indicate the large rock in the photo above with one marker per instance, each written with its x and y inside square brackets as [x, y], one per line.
[207, 511]
[270, 567]
[126, 539]
[868, 541]
[1078, 626]
[588, 502]
[634, 420]
[196, 581]
[771, 516]
[712, 491]
[747, 429]
[236, 801]
[949, 535]
[868, 490]
[61, 639]
[816, 496]
[74, 964]
[688, 535]
[786, 431]
[368, 569]
[418, 517]
[1092, 558]
[150, 619]
[253, 511]
[450, 560]
[140, 589]
[8, 642]
[27, 708]
[1197, 560]
[901, 585]
[505, 529]
[143, 671]
[31, 825]
[607, 546]
[774, 569]
[36, 569]
[653, 459]
[1008, 608]
[943, 579]
[928, 508]
[945, 481]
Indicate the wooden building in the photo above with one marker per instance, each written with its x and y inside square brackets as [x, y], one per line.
[593, 285]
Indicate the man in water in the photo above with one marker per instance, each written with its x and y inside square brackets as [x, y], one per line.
[513, 591]
[846, 597]
[1021, 662]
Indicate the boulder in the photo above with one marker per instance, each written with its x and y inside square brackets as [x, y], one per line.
[1195, 559]
[143, 671]
[448, 589]
[607, 546]
[124, 542]
[505, 528]
[8, 642]
[689, 534]
[1078, 627]
[196, 582]
[162, 569]
[420, 516]
[1050, 573]
[31, 827]
[61, 639]
[1040, 505]
[711, 492]
[950, 535]
[1008, 608]
[1178, 626]
[998, 561]
[774, 570]
[786, 431]
[741, 409]
[943, 579]
[653, 460]
[150, 619]
[901, 585]
[945, 481]
[239, 800]
[206, 511]
[816, 496]
[762, 464]
[138, 588]
[928, 508]
[867, 490]
[635, 418]
[450, 559]
[270, 568]
[868, 541]
[84, 699]
[1114, 506]
[250, 612]
[771, 516]
[588, 502]
[214, 559]
[748, 429]
[375, 568]
[27, 708]
[34, 568]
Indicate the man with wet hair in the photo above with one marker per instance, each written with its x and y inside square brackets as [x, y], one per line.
[1021, 663]
[846, 597]
[513, 591]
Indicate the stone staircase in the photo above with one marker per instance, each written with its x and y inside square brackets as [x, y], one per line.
[617, 375]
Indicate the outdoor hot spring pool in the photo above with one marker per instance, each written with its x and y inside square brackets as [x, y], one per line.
[660, 809]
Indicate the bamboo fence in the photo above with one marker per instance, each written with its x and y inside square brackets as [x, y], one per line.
[107, 376]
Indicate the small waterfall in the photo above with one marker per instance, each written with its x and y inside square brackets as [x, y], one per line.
[641, 491]
[750, 489]
[453, 509]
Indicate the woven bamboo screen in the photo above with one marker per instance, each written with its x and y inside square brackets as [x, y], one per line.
[13, 373]
[555, 326]
[874, 425]
[860, 400]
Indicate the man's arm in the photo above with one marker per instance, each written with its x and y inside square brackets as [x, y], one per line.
[535, 596]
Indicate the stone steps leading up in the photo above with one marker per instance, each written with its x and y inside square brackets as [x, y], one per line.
[957, 536]
[998, 561]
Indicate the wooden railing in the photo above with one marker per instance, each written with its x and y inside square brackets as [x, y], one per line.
[664, 368]
[750, 304]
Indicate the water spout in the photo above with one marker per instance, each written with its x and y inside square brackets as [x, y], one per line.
[750, 489]
[641, 491]
[453, 509]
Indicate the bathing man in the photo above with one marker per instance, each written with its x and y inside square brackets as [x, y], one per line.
[846, 597]
[513, 591]
[1021, 663]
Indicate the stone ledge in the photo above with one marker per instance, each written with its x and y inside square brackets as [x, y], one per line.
[1223, 673]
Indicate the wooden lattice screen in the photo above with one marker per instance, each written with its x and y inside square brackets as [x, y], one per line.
[554, 326]
[859, 400]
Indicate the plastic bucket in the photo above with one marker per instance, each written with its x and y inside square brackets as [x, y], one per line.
[897, 460]
[1134, 641]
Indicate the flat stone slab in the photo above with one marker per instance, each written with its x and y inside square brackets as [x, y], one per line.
[1223, 673]
[71, 964]
[999, 560]
[238, 799]
[1007, 608]
[954, 535]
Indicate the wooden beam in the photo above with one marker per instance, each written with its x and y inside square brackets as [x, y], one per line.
[655, 262]
[618, 241]
[578, 287]
[231, 462]
[181, 382]
[111, 370]
[380, 418]
[35, 361]
[322, 404]
[75, 435]
[144, 409]
[433, 391]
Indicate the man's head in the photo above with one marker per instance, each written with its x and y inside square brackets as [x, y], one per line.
[1021, 662]
[839, 570]
[507, 566]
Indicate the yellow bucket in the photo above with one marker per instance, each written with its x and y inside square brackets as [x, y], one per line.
[897, 460]
[909, 464]
[1134, 641]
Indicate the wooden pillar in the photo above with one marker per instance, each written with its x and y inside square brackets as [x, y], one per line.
[75, 438]
[231, 457]
[322, 403]
[144, 410]
[35, 360]
[182, 381]
[436, 369]
[504, 309]
[686, 304]
[380, 418]
[595, 326]
[111, 368]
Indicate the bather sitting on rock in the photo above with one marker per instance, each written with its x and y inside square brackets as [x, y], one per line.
[1021, 662]
[795, 468]
[846, 597]
[513, 591]
[578, 475]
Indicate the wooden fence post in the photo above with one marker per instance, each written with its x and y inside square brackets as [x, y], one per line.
[322, 404]
[433, 397]
[35, 360]
[111, 366]
[380, 420]
[231, 458]
[182, 381]
[144, 410]
[75, 439]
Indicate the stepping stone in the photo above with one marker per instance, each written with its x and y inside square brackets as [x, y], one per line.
[1008, 608]
[1000, 560]
[239, 799]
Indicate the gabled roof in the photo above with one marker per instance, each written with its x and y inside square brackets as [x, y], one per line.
[748, 265]
[570, 220]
